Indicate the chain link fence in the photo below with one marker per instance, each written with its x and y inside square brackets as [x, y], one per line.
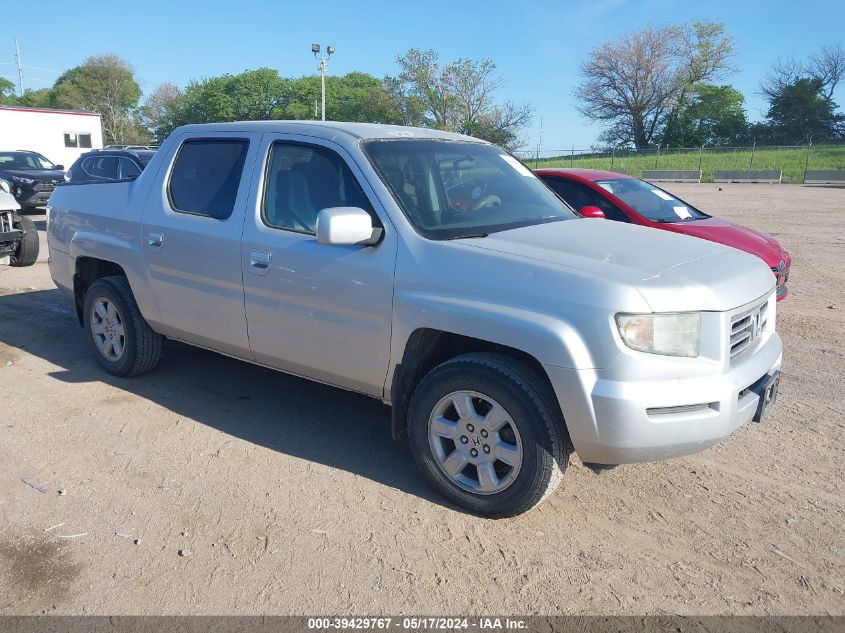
[793, 160]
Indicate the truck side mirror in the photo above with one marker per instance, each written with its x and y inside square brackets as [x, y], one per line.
[591, 212]
[60, 167]
[346, 225]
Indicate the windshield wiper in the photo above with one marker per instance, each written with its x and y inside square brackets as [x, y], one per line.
[466, 236]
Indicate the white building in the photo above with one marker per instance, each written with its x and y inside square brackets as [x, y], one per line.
[60, 135]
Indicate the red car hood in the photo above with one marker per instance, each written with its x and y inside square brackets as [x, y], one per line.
[721, 231]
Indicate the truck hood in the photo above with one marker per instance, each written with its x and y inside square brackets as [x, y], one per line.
[672, 272]
[763, 246]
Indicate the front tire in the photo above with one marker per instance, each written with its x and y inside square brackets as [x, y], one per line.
[121, 340]
[26, 254]
[487, 434]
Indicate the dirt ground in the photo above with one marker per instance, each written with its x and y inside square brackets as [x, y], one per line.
[288, 497]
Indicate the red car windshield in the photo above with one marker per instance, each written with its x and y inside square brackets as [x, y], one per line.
[651, 202]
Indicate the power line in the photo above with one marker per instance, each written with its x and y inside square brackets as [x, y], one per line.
[49, 70]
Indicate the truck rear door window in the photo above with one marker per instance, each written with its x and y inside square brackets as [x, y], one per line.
[206, 175]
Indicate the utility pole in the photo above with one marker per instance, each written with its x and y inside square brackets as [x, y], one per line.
[20, 67]
[539, 144]
[322, 67]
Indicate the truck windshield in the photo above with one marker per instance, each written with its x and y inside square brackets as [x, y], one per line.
[24, 161]
[453, 189]
[651, 202]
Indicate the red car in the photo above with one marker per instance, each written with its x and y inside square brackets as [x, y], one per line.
[607, 194]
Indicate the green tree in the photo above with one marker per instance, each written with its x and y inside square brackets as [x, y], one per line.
[262, 94]
[412, 108]
[159, 108]
[425, 80]
[358, 96]
[711, 115]
[7, 92]
[801, 112]
[252, 95]
[634, 83]
[458, 96]
[500, 124]
[42, 98]
[355, 96]
[828, 66]
[104, 84]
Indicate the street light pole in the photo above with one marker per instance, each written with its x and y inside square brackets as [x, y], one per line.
[322, 67]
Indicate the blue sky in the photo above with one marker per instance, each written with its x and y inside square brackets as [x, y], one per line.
[537, 46]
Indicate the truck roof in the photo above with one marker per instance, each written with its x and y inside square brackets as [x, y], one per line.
[357, 130]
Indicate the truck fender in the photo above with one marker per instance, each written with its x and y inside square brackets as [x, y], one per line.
[125, 254]
[549, 339]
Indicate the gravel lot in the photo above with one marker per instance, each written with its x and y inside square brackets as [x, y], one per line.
[289, 497]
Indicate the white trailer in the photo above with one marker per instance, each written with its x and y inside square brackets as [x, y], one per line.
[60, 135]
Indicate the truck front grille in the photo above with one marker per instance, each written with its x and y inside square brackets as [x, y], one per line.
[746, 328]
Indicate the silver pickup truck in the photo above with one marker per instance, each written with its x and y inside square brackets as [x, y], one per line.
[436, 273]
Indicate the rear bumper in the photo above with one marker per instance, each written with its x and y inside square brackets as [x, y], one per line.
[621, 422]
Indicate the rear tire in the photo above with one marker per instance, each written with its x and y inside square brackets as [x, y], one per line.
[121, 340]
[487, 434]
[26, 254]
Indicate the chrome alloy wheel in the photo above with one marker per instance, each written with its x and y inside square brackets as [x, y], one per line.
[107, 329]
[475, 442]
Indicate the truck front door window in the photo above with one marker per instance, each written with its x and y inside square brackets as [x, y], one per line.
[205, 177]
[301, 181]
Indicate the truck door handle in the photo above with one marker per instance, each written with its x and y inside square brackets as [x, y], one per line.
[259, 262]
[155, 240]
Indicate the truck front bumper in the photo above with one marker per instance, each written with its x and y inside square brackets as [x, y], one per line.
[613, 421]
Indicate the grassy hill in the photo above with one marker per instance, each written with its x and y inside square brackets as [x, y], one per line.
[791, 160]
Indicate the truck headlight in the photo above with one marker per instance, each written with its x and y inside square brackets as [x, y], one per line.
[675, 334]
[19, 180]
